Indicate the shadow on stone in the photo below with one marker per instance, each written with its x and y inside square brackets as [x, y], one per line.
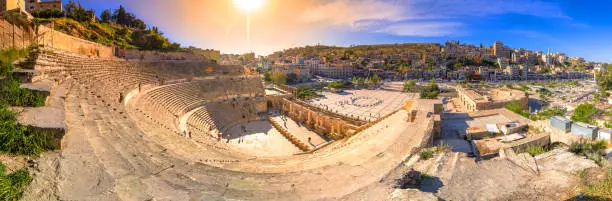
[415, 180]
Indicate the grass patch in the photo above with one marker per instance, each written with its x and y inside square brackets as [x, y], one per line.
[13, 185]
[594, 151]
[596, 188]
[535, 150]
[441, 147]
[23, 140]
[426, 154]
[587, 147]
[11, 94]
[7, 57]
[547, 113]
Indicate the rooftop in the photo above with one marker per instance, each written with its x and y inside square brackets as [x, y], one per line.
[493, 95]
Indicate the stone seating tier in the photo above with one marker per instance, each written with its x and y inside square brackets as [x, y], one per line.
[167, 103]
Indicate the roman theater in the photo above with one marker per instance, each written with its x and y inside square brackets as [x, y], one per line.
[175, 130]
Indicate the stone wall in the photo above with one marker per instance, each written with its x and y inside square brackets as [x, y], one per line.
[134, 54]
[50, 38]
[12, 37]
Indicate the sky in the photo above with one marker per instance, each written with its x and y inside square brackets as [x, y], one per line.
[578, 28]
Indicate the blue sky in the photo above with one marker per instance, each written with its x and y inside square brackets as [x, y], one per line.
[578, 28]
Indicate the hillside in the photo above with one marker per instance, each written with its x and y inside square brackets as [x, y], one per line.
[112, 34]
[371, 51]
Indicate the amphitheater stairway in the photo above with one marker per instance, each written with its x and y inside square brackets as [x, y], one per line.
[292, 138]
[51, 116]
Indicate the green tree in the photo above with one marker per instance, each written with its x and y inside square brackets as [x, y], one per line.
[375, 79]
[292, 78]
[139, 24]
[106, 16]
[121, 16]
[585, 113]
[336, 84]
[430, 92]
[410, 86]
[267, 76]
[279, 78]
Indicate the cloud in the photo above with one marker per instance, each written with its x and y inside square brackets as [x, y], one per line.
[418, 17]
[428, 29]
[346, 12]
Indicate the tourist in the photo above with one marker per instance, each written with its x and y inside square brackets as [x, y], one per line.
[184, 133]
[189, 134]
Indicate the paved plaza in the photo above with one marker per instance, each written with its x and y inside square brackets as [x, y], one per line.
[260, 138]
[364, 104]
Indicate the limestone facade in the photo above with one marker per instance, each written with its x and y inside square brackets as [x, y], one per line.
[475, 100]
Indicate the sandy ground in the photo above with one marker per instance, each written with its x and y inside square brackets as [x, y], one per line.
[261, 139]
[108, 155]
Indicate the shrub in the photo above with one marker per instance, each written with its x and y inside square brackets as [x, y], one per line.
[24, 140]
[584, 148]
[13, 185]
[431, 91]
[516, 107]
[426, 154]
[535, 150]
[441, 147]
[584, 113]
[600, 189]
[11, 94]
[7, 57]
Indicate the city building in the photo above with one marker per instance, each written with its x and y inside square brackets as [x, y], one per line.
[513, 72]
[500, 51]
[335, 70]
[301, 71]
[34, 5]
[6, 5]
[476, 99]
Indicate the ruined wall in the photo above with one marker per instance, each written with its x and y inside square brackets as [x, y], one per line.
[482, 104]
[320, 123]
[18, 38]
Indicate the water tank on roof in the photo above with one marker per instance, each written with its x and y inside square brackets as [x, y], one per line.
[604, 134]
[561, 123]
[584, 130]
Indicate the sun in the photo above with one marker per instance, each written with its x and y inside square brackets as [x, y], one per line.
[248, 5]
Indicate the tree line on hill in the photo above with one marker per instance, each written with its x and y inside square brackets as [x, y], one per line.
[116, 27]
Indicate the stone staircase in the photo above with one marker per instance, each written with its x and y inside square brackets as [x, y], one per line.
[49, 118]
[297, 142]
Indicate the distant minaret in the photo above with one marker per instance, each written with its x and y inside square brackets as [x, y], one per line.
[548, 58]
